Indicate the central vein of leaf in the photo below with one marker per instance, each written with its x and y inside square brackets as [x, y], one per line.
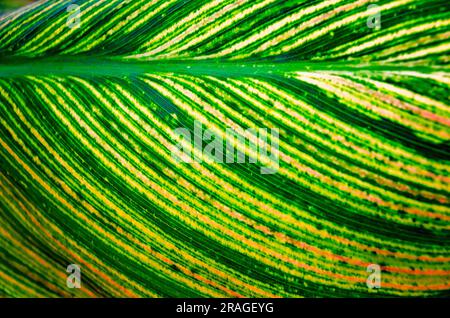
[85, 66]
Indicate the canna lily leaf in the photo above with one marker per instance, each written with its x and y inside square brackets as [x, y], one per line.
[94, 93]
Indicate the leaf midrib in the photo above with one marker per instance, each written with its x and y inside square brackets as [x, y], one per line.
[17, 66]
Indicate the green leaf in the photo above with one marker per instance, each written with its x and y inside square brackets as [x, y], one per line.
[90, 105]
